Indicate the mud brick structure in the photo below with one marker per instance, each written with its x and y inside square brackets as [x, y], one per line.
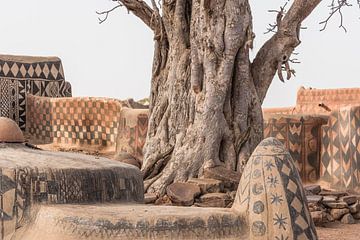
[302, 137]
[340, 155]
[133, 126]
[270, 201]
[20, 75]
[319, 101]
[83, 122]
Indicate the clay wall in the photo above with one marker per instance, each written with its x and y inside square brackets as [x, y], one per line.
[20, 75]
[79, 122]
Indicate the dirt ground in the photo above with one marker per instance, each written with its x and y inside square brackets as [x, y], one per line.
[338, 231]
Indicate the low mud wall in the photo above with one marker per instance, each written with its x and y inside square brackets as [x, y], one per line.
[74, 122]
[301, 135]
[87, 123]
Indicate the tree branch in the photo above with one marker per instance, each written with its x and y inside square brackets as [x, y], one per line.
[277, 50]
[138, 7]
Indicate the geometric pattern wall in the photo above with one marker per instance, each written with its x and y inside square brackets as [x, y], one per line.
[132, 131]
[340, 155]
[80, 121]
[301, 136]
[20, 76]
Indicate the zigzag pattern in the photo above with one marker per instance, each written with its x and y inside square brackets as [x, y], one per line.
[301, 136]
[340, 158]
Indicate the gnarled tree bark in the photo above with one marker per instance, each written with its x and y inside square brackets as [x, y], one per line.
[206, 94]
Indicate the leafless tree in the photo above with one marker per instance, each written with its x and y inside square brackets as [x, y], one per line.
[206, 94]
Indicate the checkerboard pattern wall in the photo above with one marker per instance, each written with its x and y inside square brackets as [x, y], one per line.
[73, 121]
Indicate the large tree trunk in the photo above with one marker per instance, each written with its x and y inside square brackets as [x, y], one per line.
[206, 95]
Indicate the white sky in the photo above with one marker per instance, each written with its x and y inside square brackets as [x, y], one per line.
[114, 59]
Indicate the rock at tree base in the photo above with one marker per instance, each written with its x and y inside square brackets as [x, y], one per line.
[183, 194]
[128, 159]
[354, 208]
[338, 213]
[150, 198]
[333, 193]
[349, 199]
[207, 185]
[348, 219]
[314, 189]
[220, 200]
[229, 178]
[314, 198]
[338, 205]
[319, 217]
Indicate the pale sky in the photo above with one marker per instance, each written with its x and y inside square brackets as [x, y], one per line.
[114, 59]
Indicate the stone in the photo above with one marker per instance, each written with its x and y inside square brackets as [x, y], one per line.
[356, 215]
[314, 198]
[183, 194]
[347, 219]
[10, 131]
[330, 198]
[355, 208]
[315, 207]
[207, 185]
[314, 189]
[150, 198]
[333, 193]
[349, 199]
[128, 159]
[164, 200]
[318, 217]
[220, 200]
[229, 178]
[338, 213]
[338, 204]
[329, 217]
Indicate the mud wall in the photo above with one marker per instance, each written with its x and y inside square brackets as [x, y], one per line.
[20, 76]
[340, 155]
[301, 135]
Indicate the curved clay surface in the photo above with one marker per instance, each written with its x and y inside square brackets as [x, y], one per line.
[30, 178]
[10, 131]
[270, 204]
[271, 194]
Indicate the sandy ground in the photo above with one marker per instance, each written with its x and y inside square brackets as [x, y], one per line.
[338, 231]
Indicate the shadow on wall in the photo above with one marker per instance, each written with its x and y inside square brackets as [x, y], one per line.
[86, 123]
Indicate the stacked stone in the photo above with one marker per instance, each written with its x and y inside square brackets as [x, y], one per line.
[216, 189]
[330, 206]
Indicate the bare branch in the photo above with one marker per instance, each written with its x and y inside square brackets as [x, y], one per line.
[274, 56]
[336, 8]
[138, 7]
[106, 13]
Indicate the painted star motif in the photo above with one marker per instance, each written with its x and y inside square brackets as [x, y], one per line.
[273, 181]
[282, 238]
[276, 199]
[280, 220]
[269, 165]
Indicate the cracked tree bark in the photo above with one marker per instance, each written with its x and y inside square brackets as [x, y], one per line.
[206, 94]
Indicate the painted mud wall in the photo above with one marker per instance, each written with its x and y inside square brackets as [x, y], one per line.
[20, 76]
[86, 123]
[301, 135]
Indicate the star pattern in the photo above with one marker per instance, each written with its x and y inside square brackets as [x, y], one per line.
[272, 180]
[276, 199]
[280, 220]
[269, 165]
